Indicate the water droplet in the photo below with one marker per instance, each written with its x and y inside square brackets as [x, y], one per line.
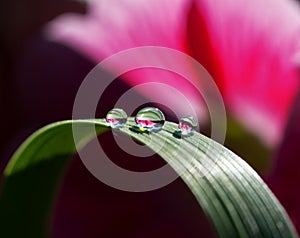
[150, 119]
[187, 125]
[116, 118]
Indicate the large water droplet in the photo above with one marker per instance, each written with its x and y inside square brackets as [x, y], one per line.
[116, 118]
[187, 125]
[150, 119]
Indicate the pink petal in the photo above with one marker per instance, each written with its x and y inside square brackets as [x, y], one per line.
[115, 26]
[250, 47]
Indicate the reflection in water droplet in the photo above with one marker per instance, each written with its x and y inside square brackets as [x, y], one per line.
[116, 118]
[150, 119]
[187, 125]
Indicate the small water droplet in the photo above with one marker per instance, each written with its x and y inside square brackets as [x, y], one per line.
[150, 119]
[116, 118]
[187, 125]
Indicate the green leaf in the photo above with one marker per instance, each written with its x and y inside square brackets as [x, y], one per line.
[230, 192]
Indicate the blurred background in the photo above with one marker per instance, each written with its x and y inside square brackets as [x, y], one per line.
[251, 49]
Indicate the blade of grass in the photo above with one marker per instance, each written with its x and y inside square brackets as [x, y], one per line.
[230, 192]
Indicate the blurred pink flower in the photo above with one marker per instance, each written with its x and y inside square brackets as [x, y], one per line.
[252, 56]
[250, 48]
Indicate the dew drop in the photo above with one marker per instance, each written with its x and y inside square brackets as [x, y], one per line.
[116, 118]
[150, 119]
[187, 125]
